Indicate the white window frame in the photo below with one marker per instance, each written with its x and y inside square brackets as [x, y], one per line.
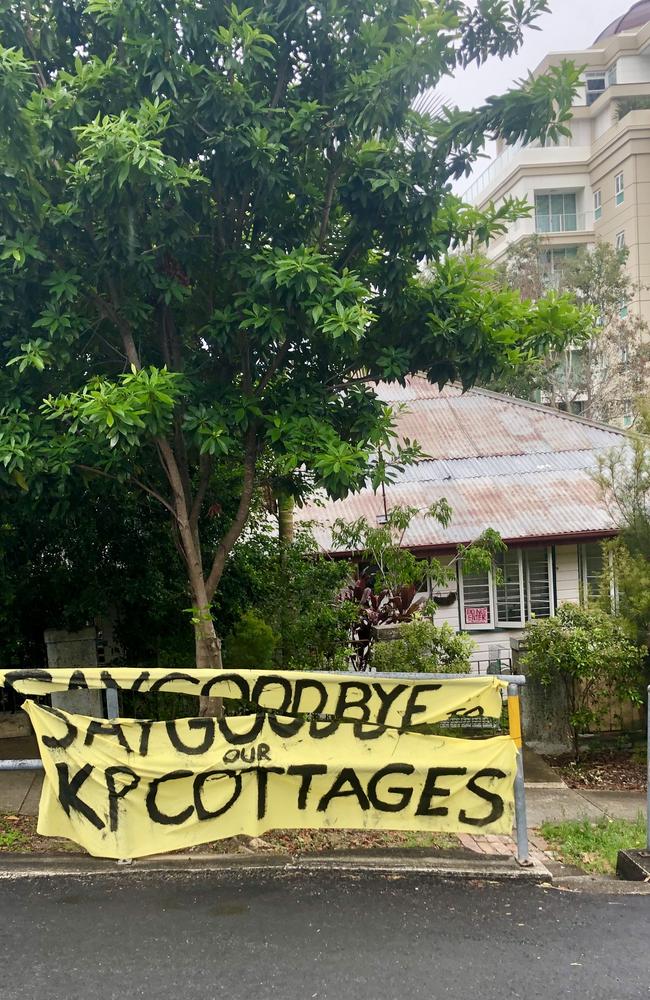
[495, 624]
[620, 240]
[582, 575]
[492, 624]
[522, 599]
[619, 188]
[598, 205]
[551, 588]
[594, 76]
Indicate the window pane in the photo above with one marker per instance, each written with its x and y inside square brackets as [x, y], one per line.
[592, 568]
[557, 204]
[542, 213]
[423, 584]
[509, 608]
[539, 590]
[476, 594]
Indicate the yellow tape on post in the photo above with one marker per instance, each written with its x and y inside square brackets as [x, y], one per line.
[514, 718]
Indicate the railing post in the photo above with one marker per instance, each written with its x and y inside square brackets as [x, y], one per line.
[112, 703]
[514, 720]
[648, 782]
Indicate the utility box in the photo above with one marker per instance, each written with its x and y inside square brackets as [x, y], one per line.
[74, 649]
[544, 710]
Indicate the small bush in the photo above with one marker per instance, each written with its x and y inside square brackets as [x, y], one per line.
[250, 645]
[423, 647]
[589, 652]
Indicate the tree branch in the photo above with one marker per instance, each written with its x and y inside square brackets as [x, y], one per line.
[273, 367]
[206, 465]
[234, 531]
[283, 78]
[333, 176]
[132, 479]
[123, 326]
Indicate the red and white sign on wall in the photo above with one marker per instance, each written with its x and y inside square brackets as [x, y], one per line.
[477, 616]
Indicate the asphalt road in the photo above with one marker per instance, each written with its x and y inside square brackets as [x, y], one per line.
[320, 936]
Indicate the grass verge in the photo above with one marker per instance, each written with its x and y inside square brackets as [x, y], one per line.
[594, 846]
[11, 838]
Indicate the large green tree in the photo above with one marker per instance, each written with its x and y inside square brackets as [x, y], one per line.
[603, 376]
[213, 225]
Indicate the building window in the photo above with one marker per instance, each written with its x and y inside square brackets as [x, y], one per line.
[596, 84]
[623, 312]
[551, 263]
[509, 589]
[556, 213]
[610, 76]
[591, 564]
[520, 590]
[620, 241]
[477, 600]
[598, 205]
[619, 188]
[539, 574]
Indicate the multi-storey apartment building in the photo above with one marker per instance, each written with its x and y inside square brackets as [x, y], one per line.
[595, 184]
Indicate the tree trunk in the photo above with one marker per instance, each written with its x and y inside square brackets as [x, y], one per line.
[285, 535]
[208, 657]
[207, 652]
[285, 518]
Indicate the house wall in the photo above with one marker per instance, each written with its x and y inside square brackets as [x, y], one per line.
[495, 644]
[567, 580]
[633, 69]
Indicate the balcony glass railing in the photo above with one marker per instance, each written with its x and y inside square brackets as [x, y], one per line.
[568, 222]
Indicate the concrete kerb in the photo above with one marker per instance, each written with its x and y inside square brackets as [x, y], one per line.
[14, 866]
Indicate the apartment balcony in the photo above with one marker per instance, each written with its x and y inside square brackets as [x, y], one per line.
[568, 222]
[544, 160]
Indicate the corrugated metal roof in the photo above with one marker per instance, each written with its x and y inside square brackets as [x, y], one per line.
[449, 424]
[541, 505]
[502, 463]
[441, 470]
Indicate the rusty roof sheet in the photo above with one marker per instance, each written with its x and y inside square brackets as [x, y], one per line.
[451, 424]
[543, 505]
[440, 470]
[502, 463]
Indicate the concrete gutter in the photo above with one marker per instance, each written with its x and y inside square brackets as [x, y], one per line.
[501, 869]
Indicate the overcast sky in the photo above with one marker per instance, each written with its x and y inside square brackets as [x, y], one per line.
[572, 24]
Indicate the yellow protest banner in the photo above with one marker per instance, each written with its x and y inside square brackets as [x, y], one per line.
[130, 788]
[365, 697]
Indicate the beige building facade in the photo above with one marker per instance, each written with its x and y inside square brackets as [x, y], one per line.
[595, 184]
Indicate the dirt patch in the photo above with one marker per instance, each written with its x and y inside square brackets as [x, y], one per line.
[609, 770]
[18, 835]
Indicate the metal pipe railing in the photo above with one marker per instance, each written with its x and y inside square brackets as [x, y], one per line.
[648, 775]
